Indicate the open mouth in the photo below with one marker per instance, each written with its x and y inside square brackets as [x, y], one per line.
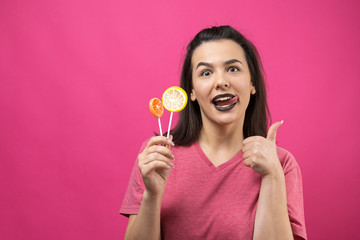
[224, 102]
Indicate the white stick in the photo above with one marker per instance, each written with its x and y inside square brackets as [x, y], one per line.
[168, 133]
[160, 126]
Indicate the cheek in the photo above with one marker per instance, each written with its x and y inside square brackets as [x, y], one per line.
[245, 98]
[201, 90]
[245, 93]
[243, 86]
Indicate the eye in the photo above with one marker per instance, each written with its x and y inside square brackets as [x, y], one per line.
[205, 73]
[233, 69]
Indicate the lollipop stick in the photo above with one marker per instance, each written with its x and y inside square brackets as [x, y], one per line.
[160, 126]
[168, 133]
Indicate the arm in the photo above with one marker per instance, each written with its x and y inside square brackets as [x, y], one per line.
[272, 219]
[146, 224]
[154, 165]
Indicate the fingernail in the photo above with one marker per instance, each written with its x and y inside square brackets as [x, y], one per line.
[172, 165]
[171, 143]
[172, 156]
[281, 121]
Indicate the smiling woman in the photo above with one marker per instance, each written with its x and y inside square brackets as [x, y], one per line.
[231, 181]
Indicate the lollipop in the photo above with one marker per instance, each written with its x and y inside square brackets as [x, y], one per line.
[174, 100]
[157, 110]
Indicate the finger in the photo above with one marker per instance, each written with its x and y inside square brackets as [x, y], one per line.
[171, 138]
[159, 149]
[246, 155]
[146, 169]
[249, 163]
[250, 145]
[272, 131]
[252, 139]
[159, 140]
[156, 157]
[251, 153]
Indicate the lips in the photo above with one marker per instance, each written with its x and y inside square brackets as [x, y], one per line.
[224, 102]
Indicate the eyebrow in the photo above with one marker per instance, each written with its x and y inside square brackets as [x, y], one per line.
[225, 63]
[232, 61]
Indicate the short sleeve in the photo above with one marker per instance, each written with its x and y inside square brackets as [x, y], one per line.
[294, 192]
[135, 189]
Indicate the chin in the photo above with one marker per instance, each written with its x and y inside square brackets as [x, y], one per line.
[227, 121]
[223, 118]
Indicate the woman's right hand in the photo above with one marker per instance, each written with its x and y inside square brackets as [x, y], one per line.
[155, 165]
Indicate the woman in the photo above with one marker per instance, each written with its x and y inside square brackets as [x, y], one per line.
[230, 180]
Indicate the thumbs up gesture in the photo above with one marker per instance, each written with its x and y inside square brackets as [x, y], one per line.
[260, 153]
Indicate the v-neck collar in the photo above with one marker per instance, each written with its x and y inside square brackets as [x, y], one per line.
[207, 161]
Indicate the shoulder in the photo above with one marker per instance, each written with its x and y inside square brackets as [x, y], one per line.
[287, 160]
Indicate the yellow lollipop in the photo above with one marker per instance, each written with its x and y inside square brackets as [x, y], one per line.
[174, 99]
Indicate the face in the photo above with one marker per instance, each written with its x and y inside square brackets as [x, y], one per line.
[221, 82]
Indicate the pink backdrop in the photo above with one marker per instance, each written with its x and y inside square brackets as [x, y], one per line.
[76, 78]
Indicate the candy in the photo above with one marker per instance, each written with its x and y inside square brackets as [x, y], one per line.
[156, 107]
[174, 100]
[157, 110]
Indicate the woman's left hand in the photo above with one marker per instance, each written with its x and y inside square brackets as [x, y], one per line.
[260, 153]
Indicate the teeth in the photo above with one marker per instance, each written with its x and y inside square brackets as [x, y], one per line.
[223, 99]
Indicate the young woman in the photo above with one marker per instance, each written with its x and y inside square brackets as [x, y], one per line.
[230, 180]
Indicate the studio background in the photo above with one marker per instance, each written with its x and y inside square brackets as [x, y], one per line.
[76, 78]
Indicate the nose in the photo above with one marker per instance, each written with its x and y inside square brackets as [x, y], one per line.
[221, 81]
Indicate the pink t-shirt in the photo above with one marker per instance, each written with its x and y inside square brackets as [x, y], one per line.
[202, 201]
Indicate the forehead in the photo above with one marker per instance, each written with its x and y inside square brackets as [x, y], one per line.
[218, 51]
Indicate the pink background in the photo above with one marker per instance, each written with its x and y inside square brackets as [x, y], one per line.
[76, 78]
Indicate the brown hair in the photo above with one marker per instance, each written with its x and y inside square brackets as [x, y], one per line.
[188, 128]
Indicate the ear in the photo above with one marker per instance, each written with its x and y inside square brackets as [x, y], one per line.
[253, 90]
[193, 95]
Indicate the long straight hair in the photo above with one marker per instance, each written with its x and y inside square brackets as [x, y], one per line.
[188, 128]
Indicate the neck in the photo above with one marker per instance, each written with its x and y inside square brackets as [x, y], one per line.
[222, 137]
